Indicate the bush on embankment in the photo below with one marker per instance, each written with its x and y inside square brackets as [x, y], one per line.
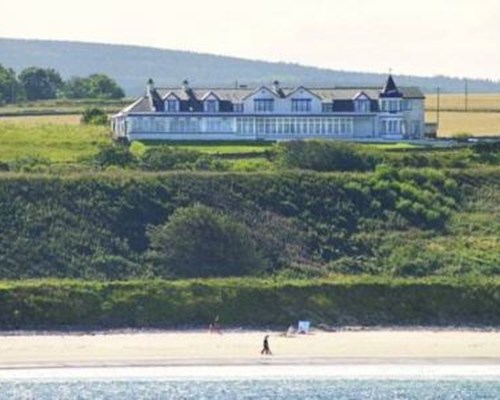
[248, 303]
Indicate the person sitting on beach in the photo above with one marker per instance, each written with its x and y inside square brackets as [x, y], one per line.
[265, 349]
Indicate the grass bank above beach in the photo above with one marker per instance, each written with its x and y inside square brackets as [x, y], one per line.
[369, 301]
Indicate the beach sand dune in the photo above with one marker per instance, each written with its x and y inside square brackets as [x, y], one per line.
[243, 348]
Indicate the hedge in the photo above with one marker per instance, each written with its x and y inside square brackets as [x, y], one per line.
[368, 301]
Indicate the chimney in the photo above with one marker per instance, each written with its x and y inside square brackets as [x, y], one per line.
[185, 85]
[276, 86]
[277, 89]
[150, 86]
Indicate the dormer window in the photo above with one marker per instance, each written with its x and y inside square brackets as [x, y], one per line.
[301, 105]
[211, 106]
[263, 105]
[362, 106]
[211, 102]
[362, 103]
[172, 105]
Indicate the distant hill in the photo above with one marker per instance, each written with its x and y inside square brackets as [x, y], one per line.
[131, 66]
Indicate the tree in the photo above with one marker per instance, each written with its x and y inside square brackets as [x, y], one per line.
[77, 88]
[10, 90]
[198, 241]
[103, 87]
[96, 86]
[40, 84]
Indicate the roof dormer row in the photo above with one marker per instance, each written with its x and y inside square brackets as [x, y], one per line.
[275, 99]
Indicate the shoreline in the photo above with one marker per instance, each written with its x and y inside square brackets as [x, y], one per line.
[357, 371]
[262, 362]
[241, 348]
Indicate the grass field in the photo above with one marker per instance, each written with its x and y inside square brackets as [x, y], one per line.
[61, 106]
[474, 123]
[481, 119]
[57, 143]
[456, 102]
[228, 149]
[68, 119]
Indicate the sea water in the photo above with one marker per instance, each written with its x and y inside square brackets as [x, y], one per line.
[247, 383]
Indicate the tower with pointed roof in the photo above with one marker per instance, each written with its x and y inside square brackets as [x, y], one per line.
[390, 89]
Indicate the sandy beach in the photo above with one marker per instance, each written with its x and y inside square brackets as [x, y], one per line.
[185, 348]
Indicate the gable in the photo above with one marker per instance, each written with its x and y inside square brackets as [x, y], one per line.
[171, 96]
[210, 96]
[262, 92]
[302, 91]
[361, 96]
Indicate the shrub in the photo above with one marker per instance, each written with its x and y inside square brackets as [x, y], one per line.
[462, 137]
[325, 156]
[200, 242]
[4, 167]
[115, 155]
[162, 158]
[30, 164]
[94, 116]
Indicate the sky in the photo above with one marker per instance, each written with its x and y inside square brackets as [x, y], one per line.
[420, 37]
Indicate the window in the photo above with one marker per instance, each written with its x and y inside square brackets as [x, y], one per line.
[415, 128]
[238, 108]
[301, 105]
[327, 107]
[264, 105]
[392, 126]
[159, 124]
[392, 106]
[362, 106]
[406, 105]
[245, 125]
[211, 106]
[171, 106]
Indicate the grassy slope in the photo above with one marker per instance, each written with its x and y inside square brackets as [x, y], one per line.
[340, 301]
[470, 242]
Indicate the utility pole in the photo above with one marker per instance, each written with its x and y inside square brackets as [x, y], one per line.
[438, 105]
[466, 95]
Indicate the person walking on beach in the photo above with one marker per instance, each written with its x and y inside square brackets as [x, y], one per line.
[265, 347]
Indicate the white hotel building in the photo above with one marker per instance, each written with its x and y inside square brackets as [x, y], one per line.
[273, 113]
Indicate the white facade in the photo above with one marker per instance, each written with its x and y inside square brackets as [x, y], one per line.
[273, 113]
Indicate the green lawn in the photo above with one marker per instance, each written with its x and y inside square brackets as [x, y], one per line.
[57, 143]
[243, 147]
[228, 149]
